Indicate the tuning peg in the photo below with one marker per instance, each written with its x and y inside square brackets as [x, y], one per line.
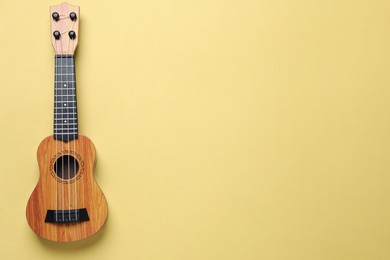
[72, 34]
[73, 16]
[55, 16]
[56, 35]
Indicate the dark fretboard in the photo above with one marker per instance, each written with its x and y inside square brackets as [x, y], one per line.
[65, 102]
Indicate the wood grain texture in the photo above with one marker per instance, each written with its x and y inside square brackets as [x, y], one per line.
[53, 193]
[64, 45]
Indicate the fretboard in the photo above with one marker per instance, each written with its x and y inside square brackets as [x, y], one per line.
[65, 101]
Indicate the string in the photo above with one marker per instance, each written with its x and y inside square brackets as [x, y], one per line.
[74, 138]
[75, 126]
[72, 88]
[62, 139]
[68, 118]
[62, 135]
[69, 126]
[55, 128]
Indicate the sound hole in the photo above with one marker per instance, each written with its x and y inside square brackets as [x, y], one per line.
[66, 167]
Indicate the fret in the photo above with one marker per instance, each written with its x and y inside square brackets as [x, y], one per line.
[64, 82]
[65, 127]
[62, 115]
[65, 116]
[66, 74]
[68, 120]
[64, 61]
[65, 124]
[64, 131]
[73, 128]
[57, 110]
[67, 100]
[66, 136]
[65, 108]
[65, 93]
[64, 78]
[57, 113]
[64, 85]
[72, 125]
[65, 120]
[64, 70]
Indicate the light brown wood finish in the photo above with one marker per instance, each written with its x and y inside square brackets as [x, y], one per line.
[57, 189]
[54, 193]
[65, 45]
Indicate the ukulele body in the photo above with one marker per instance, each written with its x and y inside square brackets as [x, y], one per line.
[67, 204]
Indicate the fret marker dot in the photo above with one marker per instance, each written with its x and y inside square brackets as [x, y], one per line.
[65, 105]
[64, 121]
[64, 85]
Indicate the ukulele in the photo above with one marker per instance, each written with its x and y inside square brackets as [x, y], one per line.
[67, 204]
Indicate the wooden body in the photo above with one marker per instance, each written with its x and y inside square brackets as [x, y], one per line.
[54, 193]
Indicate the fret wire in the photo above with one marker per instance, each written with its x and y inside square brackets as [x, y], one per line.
[73, 128]
[65, 81]
[60, 114]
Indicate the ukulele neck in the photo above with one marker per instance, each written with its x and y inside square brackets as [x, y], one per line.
[65, 101]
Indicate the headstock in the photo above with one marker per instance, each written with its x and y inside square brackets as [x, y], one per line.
[64, 28]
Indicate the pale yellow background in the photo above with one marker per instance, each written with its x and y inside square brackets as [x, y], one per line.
[224, 129]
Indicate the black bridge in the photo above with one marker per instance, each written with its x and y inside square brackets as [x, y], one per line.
[66, 216]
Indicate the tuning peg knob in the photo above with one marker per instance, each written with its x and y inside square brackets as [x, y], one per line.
[72, 34]
[73, 16]
[55, 16]
[56, 35]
